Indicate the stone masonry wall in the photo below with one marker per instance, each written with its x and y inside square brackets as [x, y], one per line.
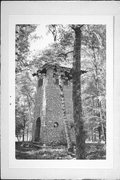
[52, 129]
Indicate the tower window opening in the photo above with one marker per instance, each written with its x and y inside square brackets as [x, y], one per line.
[56, 124]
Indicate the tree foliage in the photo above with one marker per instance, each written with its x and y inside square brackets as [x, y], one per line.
[25, 93]
[22, 33]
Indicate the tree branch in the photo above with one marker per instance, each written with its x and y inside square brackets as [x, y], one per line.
[65, 54]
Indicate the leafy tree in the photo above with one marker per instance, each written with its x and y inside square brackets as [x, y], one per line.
[94, 45]
[22, 33]
[25, 90]
[21, 121]
[25, 87]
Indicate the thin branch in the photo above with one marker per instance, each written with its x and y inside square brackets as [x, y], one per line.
[65, 54]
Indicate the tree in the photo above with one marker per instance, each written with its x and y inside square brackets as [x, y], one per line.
[94, 47]
[23, 32]
[21, 122]
[25, 89]
[65, 120]
[77, 107]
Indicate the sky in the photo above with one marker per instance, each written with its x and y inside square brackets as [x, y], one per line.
[44, 40]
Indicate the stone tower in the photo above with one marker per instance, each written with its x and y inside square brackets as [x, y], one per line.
[48, 126]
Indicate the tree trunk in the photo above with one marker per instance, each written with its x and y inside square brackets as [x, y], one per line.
[44, 103]
[23, 136]
[98, 93]
[23, 130]
[29, 105]
[77, 107]
[67, 126]
[17, 138]
[105, 134]
[92, 135]
[27, 134]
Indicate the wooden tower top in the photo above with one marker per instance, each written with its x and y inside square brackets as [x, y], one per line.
[66, 72]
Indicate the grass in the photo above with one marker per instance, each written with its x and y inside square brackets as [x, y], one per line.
[29, 151]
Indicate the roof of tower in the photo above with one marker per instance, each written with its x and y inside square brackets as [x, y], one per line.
[56, 67]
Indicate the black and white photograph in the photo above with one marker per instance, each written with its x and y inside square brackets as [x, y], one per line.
[60, 91]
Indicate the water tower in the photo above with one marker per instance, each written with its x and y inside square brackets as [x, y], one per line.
[48, 126]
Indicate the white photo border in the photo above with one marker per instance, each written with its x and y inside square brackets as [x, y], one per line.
[21, 169]
[32, 19]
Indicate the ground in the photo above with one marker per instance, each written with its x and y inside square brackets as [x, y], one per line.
[30, 151]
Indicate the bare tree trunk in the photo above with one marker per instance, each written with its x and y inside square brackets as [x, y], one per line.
[23, 136]
[29, 105]
[92, 135]
[27, 134]
[23, 130]
[66, 124]
[77, 107]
